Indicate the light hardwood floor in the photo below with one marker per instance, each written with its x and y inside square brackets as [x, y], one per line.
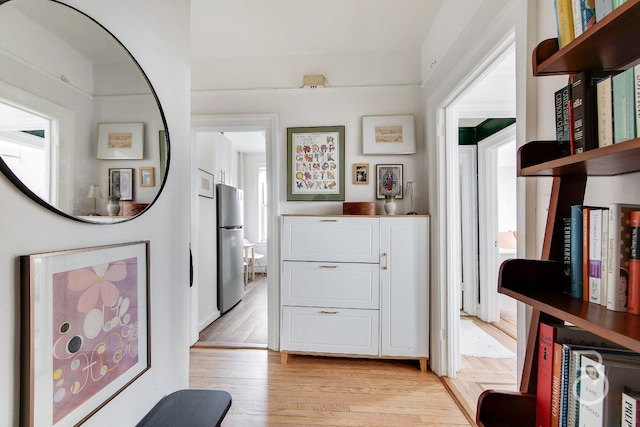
[245, 327]
[323, 391]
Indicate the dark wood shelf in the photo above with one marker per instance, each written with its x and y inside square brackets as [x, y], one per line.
[610, 44]
[538, 158]
[538, 283]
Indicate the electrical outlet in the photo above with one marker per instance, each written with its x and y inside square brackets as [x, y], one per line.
[313, 80]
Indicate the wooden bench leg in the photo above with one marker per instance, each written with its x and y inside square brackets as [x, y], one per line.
[284, 358]
[423, 365]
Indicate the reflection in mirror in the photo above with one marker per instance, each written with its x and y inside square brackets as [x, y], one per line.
[62, 75]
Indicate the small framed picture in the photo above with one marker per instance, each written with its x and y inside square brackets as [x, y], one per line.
[388, 135]
[388, 181]
[121, 183]
[147, 177]
[205, 184]
[360, 173]
[120, 140]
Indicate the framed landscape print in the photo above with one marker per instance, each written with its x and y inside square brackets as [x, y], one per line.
[85, 330]
[206, 187]
[388, 135]
[120, 140]
[315, 163]
[388, 181]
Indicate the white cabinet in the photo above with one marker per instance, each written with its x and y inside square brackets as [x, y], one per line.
[355, 285]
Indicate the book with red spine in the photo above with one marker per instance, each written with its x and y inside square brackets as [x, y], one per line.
[633, 304]
[546, 338]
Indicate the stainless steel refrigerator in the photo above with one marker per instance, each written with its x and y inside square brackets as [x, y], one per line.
[230, 213]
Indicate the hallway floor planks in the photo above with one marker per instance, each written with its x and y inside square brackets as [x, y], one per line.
[323, 391]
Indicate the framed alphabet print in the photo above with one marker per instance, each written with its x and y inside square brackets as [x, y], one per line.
[315, 166]
[388, 135]
[120, 140]
[85, 330]
[388, 181]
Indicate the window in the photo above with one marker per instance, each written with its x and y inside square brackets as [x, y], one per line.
[262, 203]
[25, 147]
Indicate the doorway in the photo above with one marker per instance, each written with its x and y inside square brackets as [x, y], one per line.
[255, 171]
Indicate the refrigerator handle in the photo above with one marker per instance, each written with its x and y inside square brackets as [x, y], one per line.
[190, 267]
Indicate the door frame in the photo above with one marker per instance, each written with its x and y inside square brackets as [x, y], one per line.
[246, 123]
[468, 158]
[489, 307]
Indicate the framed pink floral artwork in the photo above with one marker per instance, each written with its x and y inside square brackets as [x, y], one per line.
[85, 329]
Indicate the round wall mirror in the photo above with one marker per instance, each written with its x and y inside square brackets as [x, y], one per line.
[81, 129]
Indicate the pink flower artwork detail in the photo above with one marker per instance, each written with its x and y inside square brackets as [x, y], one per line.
[98, 282]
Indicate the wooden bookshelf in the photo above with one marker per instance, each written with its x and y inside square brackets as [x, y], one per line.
[610, 44]
[613, 43]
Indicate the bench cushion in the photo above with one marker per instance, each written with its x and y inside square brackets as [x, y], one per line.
[189, 408]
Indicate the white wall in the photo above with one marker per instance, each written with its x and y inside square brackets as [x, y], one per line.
[330, 107]
[27, 228]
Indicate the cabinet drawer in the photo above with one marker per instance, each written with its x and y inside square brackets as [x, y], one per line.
[331, 284]
[340, 239]
[329, 330]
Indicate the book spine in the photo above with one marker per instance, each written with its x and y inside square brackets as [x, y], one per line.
[604, 112]
[618, 255]
[555, 384]
[566, 259]
[576, 251]
[564, 21]
[577, 98]
[562, 120]
[564, 386]
[591, 393]
[546, 338]
[578, 29]
[629, 410]
[633, 303]
[636, 85]
[603, 8]
[574, 390]
[587, 14]
[618, 3]
[624, 122]
[604, 256]
[595, 254]
[586, 214]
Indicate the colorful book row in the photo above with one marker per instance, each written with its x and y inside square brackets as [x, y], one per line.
[574, 17]
[602, 255]
[582, 379]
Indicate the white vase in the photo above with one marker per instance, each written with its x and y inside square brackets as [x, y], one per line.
[390, 206]
[113, 207]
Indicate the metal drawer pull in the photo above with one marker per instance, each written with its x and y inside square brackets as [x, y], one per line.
[329, 312]
[328, 220]
[329, 266]
[386, 261]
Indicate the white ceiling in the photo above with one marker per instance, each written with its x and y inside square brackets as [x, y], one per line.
[237, 28]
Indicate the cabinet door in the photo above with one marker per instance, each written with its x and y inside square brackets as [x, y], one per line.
[404, 276]
[329, 330]
[339, 239]
[331, 284]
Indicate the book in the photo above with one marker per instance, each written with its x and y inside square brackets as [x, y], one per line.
[633, 298]
[618, 255]
[604, 256]
[624, 123]
[564, 22]
[584, 104]
[630, 407]
[618, 3]
[636, 74]
[604, 112]
[576, 251]
[555, 384]
[563, 124]
[595, 254]
[601, 386]
[566, 255]
[584, 15]
[586, 217]
[603, 8]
